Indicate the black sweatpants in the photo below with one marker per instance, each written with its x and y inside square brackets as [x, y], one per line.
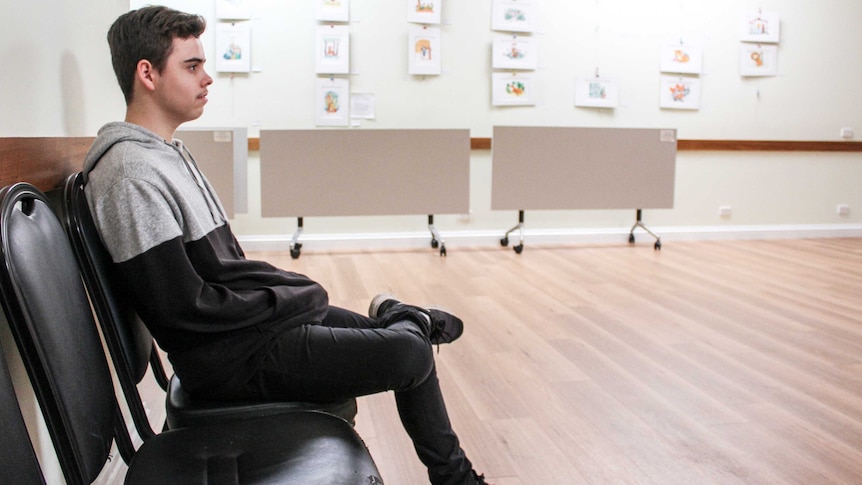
[351, 355]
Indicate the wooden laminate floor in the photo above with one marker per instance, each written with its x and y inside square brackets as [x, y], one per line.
[726, 362]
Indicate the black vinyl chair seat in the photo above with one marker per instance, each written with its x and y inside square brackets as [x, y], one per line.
[308, 447]
[46, 305]
[131, 345]
[185, 411]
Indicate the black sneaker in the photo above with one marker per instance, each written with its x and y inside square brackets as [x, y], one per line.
[381, 304]
[442, 326]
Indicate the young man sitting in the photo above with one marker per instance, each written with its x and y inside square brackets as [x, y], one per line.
[235, 328]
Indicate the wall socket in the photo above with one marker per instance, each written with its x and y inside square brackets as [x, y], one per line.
[724, 210]
[847, 133]
[842, 209]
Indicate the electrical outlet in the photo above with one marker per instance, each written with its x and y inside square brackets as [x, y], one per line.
[842, 209]
[724, 210]
[847, 133]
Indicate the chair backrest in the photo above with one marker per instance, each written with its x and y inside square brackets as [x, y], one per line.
[47, 308]
[130, 344]
[18, 461]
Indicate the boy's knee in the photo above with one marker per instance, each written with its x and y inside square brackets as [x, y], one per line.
[414, 359]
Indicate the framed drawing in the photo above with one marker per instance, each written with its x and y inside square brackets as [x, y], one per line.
[233, 10]
[332, 102]
[597, 93]
[760, 27]
[423, 51]
[678, 92]
[233, 47]
[758, 60]
[514, 15]
[513, 52]
[681, 57]
[332, 10]
[424, 11]
[333, 49]
[513, 89]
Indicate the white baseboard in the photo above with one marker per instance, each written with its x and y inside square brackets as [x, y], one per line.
[415, 240]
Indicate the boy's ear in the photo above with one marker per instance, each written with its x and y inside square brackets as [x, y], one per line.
[145, 73]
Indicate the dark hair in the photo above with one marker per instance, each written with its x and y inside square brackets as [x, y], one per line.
[147, 33]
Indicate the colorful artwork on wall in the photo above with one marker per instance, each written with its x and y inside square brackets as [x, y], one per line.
[423, 51]
[679, 92]
[513, 89]
[233, 47]
[333, 10]
[332, 102]
[424, 11]
[333, 49]
[514, 15]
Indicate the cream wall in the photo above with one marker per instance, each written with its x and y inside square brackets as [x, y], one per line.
[58, 82]
[770, 193]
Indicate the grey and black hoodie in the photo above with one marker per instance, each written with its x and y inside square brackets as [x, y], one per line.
[212, 310]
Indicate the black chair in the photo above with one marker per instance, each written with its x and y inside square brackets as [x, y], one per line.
[46, 305]
[132, 346]
[17, 459]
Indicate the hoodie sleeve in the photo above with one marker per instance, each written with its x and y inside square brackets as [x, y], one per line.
[171, 294]
[186, 285]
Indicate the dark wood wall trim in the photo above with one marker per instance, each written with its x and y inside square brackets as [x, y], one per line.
[480, 143]
[770, 146]
[704, 145]
[44, 162]
[47, 161]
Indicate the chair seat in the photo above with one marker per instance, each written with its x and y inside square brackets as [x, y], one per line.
[289, 448]
[184, 411]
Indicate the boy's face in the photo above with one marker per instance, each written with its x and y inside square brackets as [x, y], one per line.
[181, 86]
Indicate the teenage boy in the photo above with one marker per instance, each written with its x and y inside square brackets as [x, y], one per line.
[235, 328]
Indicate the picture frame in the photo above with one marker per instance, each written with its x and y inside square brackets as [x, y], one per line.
[332, 49]
[424, 11]
[513, 89]
[680, 92]
[681, 57]
[332, 102]
[514, 15]
[233, 10]
[514, 52]
[758, 60]
[760, 27]
[596, 92]
[423, 51]
[233, 46]
[332, 10]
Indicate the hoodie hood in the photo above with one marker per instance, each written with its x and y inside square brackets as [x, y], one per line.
[117, 132]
